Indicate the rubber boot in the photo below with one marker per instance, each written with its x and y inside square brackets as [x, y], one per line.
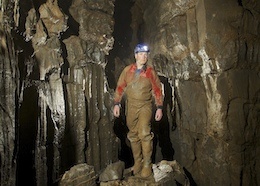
[147, 150]
[137, 154]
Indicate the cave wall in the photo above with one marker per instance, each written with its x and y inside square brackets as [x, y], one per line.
[9, 88]
[209, 51]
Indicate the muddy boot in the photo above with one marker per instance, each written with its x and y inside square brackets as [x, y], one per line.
[147, 149]
[137, 154]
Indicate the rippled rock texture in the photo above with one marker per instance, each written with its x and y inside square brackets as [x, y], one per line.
[209, 51]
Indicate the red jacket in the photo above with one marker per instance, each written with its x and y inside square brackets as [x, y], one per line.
[139, 86]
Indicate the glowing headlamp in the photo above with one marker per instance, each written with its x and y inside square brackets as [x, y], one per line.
[141, 48]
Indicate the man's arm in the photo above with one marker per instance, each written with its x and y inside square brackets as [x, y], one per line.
[121, 84]
[157, 93]
[157, 89]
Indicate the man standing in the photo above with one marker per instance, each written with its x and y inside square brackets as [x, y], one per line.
[140, 83]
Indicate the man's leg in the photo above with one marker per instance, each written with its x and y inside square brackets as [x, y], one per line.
[147, 149]
[146, 137]
[137, 152]
[131, 119]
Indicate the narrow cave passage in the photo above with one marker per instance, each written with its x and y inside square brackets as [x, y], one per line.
[120, 52]
[27, 135]
[122, 34]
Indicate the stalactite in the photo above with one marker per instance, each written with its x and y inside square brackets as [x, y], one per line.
[47, 51]
[56, 103]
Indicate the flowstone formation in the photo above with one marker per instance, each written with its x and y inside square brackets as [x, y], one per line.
[73, 93]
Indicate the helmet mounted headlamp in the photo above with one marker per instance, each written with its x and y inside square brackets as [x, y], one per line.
[141, 48]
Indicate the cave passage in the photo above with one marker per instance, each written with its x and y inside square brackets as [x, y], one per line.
[60, 61]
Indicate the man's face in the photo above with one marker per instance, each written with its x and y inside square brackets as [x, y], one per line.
[141, 58]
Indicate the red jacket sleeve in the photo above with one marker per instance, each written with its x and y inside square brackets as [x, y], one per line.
[121, 84]
[157, 89]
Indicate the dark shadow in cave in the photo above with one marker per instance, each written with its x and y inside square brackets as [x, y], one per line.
[121, 49]
[50, 147]
[122, 35]
[192, 182]
[68, 158]
[25, 6]
[66, 65]
[161, 129]
[28, 110]
[121, 130]
[28, 118]
[73, 28]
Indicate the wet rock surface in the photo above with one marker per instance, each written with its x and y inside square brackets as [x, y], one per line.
[200, 54]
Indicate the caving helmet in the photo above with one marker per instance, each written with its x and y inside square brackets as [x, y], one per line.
[141, 48]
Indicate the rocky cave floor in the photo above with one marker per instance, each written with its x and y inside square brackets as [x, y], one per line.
[166, 173]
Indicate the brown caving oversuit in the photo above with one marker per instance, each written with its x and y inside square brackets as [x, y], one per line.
[140, 87]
